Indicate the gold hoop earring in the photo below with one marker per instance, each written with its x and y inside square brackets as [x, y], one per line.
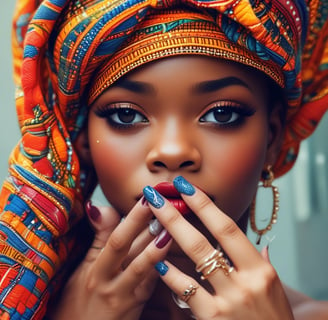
[267, 179]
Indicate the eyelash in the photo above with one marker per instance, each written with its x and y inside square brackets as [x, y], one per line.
[226, 108]
[111, 112]
[229, 108]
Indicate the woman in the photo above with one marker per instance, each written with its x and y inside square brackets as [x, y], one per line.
[202, 92]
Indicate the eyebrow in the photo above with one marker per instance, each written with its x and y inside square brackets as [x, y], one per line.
[214, 85]
[135, 86]
[199, 88]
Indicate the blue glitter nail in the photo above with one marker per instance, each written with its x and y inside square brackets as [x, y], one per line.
[161, 267]
[153, 197]
[183, 186]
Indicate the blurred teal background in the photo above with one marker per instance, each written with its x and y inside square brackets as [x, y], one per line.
[297, 242]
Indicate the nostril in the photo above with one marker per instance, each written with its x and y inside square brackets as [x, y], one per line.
[159, 164]
[186, 164]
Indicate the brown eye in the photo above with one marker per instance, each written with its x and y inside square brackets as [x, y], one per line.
[121, 117]
[126, 115]
[220, 115]
[227, 115]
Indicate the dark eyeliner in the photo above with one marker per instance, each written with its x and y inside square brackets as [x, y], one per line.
[242, 111]
[107, 112]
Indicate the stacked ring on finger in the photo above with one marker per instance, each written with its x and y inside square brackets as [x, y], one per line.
[190, 291]
[214, 262]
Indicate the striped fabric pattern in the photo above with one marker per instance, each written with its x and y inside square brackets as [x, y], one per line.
[60, 45]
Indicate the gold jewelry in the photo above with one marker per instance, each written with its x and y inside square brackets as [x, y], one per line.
[214, 262]
[96, 247]
[190, 291]
[268, 178]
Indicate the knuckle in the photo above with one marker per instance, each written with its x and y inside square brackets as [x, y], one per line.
[116, 242]
[112, 299]
[150, 257]
[107, 294]
[227, 229]
[246, 297]
[201, 249]
[269, 273]
[203, 203]
[91, 284]
[216, 312]
[138, 269]
[172, 218]
[268, 278]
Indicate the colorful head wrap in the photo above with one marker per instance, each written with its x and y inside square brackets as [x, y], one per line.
[60, 46]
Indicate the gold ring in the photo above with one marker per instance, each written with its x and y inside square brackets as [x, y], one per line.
[214, 262]
[98, 248]
[190, 291]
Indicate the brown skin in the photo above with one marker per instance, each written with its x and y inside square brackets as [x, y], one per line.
[174, 132]
[225, 162]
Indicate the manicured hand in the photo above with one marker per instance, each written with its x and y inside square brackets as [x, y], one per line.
[117, 275]
[250, 290]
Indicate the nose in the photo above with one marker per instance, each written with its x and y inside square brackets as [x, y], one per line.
[173, 148]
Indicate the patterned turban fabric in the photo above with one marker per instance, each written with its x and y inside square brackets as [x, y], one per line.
[61, 46]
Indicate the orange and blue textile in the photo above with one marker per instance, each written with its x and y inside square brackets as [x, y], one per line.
[58, 47]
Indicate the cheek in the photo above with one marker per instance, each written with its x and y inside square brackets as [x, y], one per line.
[108, 157]
[114, 159]
[238, 166]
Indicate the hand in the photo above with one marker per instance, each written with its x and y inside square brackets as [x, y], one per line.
[252, 290]
[117, 275]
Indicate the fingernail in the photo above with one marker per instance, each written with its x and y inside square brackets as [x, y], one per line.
[162, 239]
[144, 201]
[265, 253]
[161, 267]
[183, 186]
[92, 211]
[155, 227]
[153, 197]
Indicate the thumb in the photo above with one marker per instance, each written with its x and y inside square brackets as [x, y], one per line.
[104, 220]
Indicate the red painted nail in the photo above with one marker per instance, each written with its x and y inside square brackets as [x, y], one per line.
[162, 239]
[92, 211]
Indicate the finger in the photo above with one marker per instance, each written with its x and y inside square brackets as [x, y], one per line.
[144, 238]
[195, 245]
[146, 287]
[121, 239]
[186, 289]
[103, 220]
[234, 242]
[191, 241]
[140, 268]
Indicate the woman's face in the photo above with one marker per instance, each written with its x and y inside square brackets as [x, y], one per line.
[200, 117]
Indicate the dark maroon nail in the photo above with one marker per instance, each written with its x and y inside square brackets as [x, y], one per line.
[144, 202]
[162, 239]
[92, 211]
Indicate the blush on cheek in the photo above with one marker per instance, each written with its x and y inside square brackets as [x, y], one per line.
[109, 161]
[240, 173]
[117, 161]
